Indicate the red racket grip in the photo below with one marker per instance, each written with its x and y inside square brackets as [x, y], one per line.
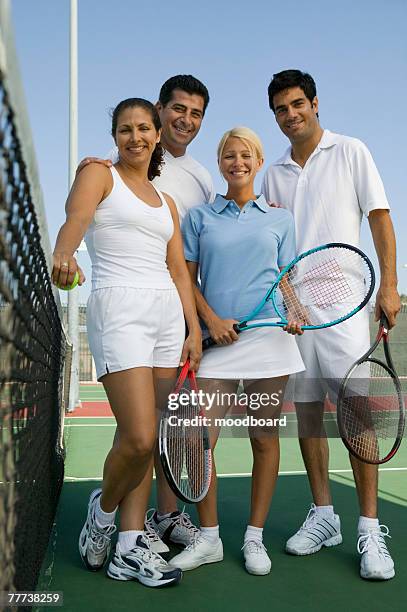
[182, 377]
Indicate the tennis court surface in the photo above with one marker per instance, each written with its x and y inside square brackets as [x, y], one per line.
[329, 578]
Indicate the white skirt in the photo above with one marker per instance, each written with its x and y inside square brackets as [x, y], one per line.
[130, 327]
[264, 352]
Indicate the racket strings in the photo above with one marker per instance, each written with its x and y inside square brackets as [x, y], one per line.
[186, 446]
[370, 411]
[331, 280]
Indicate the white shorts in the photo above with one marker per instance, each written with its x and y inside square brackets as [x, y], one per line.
[264, 352]
[328, 354]
[130, 328]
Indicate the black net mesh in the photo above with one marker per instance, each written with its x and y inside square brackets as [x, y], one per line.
[32, 349]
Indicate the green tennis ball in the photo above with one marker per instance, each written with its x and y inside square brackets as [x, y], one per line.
[72, 285]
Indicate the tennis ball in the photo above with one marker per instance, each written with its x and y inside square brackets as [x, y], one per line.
[72, 285]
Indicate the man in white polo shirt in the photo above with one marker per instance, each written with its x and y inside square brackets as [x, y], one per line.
[329, 182]
[181, 106]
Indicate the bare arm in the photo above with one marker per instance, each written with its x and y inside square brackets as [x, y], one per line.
[387, 298]
[179, 274]
[88, 190]
[221, 330]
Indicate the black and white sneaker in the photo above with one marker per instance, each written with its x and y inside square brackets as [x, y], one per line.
[144, 565]
[94, 542]
[176, 528]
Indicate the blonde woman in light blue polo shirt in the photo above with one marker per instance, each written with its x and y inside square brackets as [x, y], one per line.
[237, 245]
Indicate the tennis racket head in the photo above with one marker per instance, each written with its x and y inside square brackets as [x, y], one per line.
[324, 286]
[371, 411]
[184, 441]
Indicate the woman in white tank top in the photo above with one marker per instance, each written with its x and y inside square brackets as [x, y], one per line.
[141, 292]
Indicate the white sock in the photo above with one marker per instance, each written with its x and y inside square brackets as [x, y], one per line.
[127, 540]
[325, 510]
[366, 523]
[253, 533]
[103, 519]
[210, 533]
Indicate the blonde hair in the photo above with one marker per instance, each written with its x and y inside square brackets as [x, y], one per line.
[245, 134]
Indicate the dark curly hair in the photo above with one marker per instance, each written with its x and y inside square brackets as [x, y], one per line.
[291, 78]
[157, 158]
[184, 82]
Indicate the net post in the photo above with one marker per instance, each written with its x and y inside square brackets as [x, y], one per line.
[73, 296]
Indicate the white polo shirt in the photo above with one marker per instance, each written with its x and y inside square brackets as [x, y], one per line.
[338, 184]
[184, 179]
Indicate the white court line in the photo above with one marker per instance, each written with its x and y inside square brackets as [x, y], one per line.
[80, 418]
[248, 474]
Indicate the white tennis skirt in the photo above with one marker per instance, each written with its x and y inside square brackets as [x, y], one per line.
[264, 352]
[130, 328]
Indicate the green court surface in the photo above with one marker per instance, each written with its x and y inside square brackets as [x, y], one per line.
[328, 579]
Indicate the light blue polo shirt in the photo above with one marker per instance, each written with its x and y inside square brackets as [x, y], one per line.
[239, 251]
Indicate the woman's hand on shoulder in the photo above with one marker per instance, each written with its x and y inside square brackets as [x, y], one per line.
[92, 160]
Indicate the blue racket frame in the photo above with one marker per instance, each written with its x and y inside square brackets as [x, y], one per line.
[271, 294]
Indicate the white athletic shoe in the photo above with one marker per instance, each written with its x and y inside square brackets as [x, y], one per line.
[316, 531]
[199, 552]
[257, 561]
[94, 542]
[176, 528]
[376, 562]
[144, 565]
[156, 543]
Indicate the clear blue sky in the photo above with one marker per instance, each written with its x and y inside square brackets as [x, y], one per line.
[355, 49]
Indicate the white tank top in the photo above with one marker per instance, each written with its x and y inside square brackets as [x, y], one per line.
[127, 240]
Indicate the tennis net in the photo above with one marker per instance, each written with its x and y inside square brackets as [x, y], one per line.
[32, 344]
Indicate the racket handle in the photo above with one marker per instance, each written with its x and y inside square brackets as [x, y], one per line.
[208, 342]
[383, 320]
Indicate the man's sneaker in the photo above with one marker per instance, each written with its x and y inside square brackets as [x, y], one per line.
[257, 561]
[199, 552]
[94, 541]
[317, 531]
[176, 528]
[376, 562]
[156, 543]
[144, 565]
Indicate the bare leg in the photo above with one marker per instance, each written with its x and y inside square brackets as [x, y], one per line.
[314, 450]
[133, 507]
[366, 479]
[207, 508]
[128, 464]
[265, 446]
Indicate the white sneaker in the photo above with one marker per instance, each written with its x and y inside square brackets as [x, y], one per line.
[316, 531]
[94, 542]
[144, 565]
[155, 542]
[199, 552]
[257, 561]
[177, 528]
[376, 562]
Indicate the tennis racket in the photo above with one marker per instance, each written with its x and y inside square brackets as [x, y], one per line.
[371, 412]
[320, 288]
[184, 441]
